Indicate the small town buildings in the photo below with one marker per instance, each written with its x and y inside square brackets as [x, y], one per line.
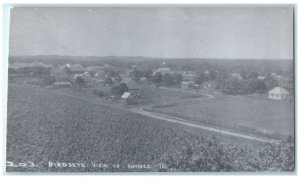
[279, 93]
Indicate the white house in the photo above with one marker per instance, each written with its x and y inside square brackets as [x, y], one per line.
[162, 71]
[261, 77]
[188, 76]
[278, 93]
[186, 84]
[237, 76]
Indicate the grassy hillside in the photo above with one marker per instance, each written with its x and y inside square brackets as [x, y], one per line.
[241, 113]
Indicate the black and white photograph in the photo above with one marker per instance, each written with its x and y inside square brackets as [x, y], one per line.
[151, 89]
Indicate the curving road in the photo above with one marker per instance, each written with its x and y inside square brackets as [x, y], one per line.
[182, 121]
[185, 122]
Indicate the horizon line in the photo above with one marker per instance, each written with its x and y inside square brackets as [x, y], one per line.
[203, 58]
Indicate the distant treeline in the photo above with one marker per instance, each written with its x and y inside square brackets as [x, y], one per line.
[283, 67]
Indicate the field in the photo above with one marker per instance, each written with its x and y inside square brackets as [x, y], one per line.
[44, 127]
[241, 113]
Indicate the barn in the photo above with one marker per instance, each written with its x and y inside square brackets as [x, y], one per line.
[133, 87]
[128, 98]
[279, 93]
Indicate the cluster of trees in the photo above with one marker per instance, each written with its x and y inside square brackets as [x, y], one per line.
[79, 83]
[116, 90]
[205, 76]
[247, 85]
[37, 70]
[234, 86]
[49, 80]
[119, 89]
[167, 79]
[99, 93]
[137, 73]
[112, 75]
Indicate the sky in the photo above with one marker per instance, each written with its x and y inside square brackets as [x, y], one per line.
[165, 32]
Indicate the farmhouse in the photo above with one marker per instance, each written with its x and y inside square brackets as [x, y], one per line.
[62, 84]
[278, 93]
[261, 77]
[32, 83]
[75, 69]
[188, 76]
[162, 71]
[236, 76]
[128, 98]
[186, 84]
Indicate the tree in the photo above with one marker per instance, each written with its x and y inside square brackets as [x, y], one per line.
[148, 74]
[80, 82]
[98, 93]
[167, 79]
[199, 79]
[234, 86]
[212, 75]
[253, 74]
[108, 80]
[271, 83]
[136, 74]
[157, 78]
[92, 73]
[118, 90]
[220, 77]
[177, 78]
[49, 80]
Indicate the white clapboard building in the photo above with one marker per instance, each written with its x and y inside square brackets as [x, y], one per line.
[279, 93]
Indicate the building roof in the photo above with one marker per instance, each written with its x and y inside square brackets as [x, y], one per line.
[125, 95]
[162, 70]
[261, 77]
[279, 90]
[62, 83]
[185, 82]
[236, 75]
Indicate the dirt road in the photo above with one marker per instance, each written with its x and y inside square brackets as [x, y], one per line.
[185, 122]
